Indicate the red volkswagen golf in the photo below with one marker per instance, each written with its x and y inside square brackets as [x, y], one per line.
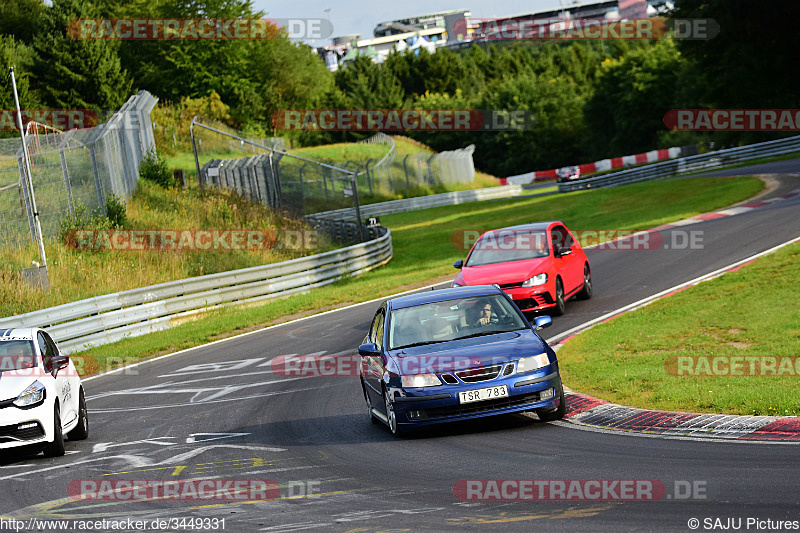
[539, 265]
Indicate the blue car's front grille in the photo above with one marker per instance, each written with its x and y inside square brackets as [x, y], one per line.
[471, 408]
[474, 375]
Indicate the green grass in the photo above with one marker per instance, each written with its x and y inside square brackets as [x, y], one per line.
[78, 274]
[423, 250]
[750, 312]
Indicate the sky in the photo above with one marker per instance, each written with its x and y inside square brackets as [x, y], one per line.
[361, 16]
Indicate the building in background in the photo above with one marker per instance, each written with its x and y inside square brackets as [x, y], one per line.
[455, 29]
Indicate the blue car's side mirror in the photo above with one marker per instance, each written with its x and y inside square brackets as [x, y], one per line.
[541, 322]
[369, 349]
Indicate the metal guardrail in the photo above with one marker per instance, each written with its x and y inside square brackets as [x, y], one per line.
[685, 165]
[422, 202]
[112, 317]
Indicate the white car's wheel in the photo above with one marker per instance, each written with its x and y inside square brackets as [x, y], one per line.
[81, 431]
[56, 447]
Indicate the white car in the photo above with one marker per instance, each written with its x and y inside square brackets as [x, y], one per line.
[41, 395]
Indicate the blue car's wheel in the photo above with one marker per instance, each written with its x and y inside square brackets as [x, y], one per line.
[372, 417]
[390, 414]
[558, 413]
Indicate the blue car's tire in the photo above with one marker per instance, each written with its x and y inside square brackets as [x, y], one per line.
[390, 415]
[549, 415]
[372, 417]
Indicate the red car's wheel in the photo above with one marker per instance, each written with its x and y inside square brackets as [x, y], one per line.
[586, 292]
[561, 304]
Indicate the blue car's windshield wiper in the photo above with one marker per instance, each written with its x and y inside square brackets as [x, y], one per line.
[419, 344]
[483, 333]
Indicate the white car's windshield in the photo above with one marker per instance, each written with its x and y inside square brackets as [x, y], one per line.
[452, 319]
[16, 355]
[508, 245]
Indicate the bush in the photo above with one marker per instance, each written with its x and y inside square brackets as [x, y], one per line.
[83, 219]
[115, 211]
[154, 168]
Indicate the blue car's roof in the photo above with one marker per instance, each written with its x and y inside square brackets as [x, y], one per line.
[442, 294]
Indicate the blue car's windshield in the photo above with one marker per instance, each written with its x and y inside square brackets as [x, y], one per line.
[452, 319]
[508, 245]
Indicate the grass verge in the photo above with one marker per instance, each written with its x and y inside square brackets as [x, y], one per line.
[426, 243]
[78, 274]
[672, 353]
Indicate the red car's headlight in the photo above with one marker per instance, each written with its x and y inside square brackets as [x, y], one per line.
[538, 279]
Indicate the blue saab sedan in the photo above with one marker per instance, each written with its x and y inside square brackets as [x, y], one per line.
[456, 354]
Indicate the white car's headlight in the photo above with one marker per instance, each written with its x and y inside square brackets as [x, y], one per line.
[32, 395]
[528, 364]
[538, 279]
[420, 380]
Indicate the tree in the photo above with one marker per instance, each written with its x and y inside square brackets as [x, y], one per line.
[20, 18]
[75, 73]
[631, 96]
[749, 65]
[13, 53]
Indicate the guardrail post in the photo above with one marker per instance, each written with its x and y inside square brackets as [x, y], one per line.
[405, 169]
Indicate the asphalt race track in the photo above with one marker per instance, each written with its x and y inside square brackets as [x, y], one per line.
[219, 412]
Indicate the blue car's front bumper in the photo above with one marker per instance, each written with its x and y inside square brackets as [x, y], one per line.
[432, 405]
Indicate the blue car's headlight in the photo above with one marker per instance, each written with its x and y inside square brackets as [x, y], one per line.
[420, 380]
[535, 281]
[528, 364]
[31, 396]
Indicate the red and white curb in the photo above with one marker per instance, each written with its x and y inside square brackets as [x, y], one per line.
[729, 211]
[612, 163]
[596, 414]
[592, 412]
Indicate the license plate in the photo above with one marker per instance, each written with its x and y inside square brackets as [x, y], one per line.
[479, 395]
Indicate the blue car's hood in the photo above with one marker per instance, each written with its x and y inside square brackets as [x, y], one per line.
[469, 353]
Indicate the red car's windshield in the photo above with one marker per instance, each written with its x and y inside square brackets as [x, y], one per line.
[508, 245]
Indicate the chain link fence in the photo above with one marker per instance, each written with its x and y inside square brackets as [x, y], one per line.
[73, 168]
[301, 186]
